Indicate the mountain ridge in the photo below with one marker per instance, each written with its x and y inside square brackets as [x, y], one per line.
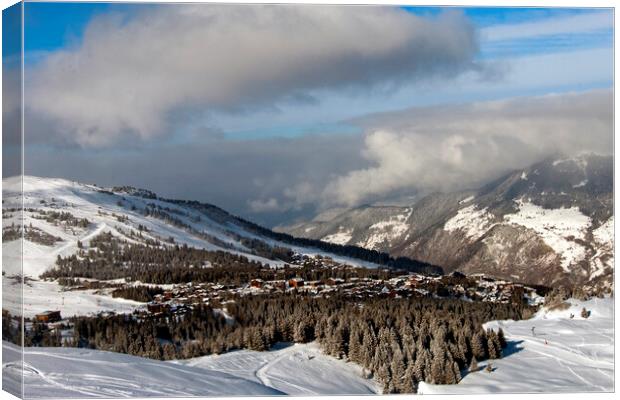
[494, 229]
[124, 209]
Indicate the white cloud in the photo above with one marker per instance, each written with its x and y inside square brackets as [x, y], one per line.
[458, 147]
[129, 76]
[268, 205]
[581, 23]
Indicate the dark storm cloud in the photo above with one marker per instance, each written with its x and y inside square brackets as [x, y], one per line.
[240, 176]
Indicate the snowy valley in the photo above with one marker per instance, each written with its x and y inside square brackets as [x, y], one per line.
[270, 314]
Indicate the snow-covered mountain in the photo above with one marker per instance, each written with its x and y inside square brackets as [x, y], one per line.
[61, 215]
[547, 224]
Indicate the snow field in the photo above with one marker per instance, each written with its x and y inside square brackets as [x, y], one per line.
[341, 237]
[70, 373]
[557, 227]
[387, 231]
[294, 369]
[472, 221]
[563, 355]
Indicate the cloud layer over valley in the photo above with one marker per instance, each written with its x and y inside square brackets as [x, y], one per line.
[465, 146]
[417, 150]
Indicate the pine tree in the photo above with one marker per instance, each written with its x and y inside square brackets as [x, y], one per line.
[497, 344]
[397, 369]
[355, 346]
[301, 332]
[438, 362]
[457, 354]
[410, 384]
[170, 352]
[478, 346]
[502, 338]
[336, 343]
[419, 367]
[464, 347]
[473, 365]
[456, 371]
[383, 375]
[369, 345]
[492, 350]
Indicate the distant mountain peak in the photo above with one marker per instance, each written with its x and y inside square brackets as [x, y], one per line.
[547, 223]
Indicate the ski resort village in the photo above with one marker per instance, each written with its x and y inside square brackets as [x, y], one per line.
[127, 277]
[222, 200]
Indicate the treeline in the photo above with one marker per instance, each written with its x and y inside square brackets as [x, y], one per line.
[262, 249]
[221, 216]
[256, 246]
[31, 234]
[111, 258]
[147, 194]
[399, 342]
[62, 216]
[359, 253]
[142, 293]
[12, 328]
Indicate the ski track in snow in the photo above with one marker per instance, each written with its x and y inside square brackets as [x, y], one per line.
[88, 201]
[299, 369]
[70, 372]
[578, 355]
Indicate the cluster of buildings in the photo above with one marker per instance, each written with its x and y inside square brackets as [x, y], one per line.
[471, 288]
[179, 299]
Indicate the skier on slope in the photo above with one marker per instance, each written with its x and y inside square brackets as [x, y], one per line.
[533, 333]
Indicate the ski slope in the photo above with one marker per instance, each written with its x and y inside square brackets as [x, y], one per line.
[39, 296]
[562, 355]
[298, 369]
[116, 212]
[71, 373]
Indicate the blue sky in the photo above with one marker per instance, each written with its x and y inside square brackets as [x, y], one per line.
[52, 26]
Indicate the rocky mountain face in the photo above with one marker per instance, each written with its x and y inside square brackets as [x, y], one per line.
[551, 223]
